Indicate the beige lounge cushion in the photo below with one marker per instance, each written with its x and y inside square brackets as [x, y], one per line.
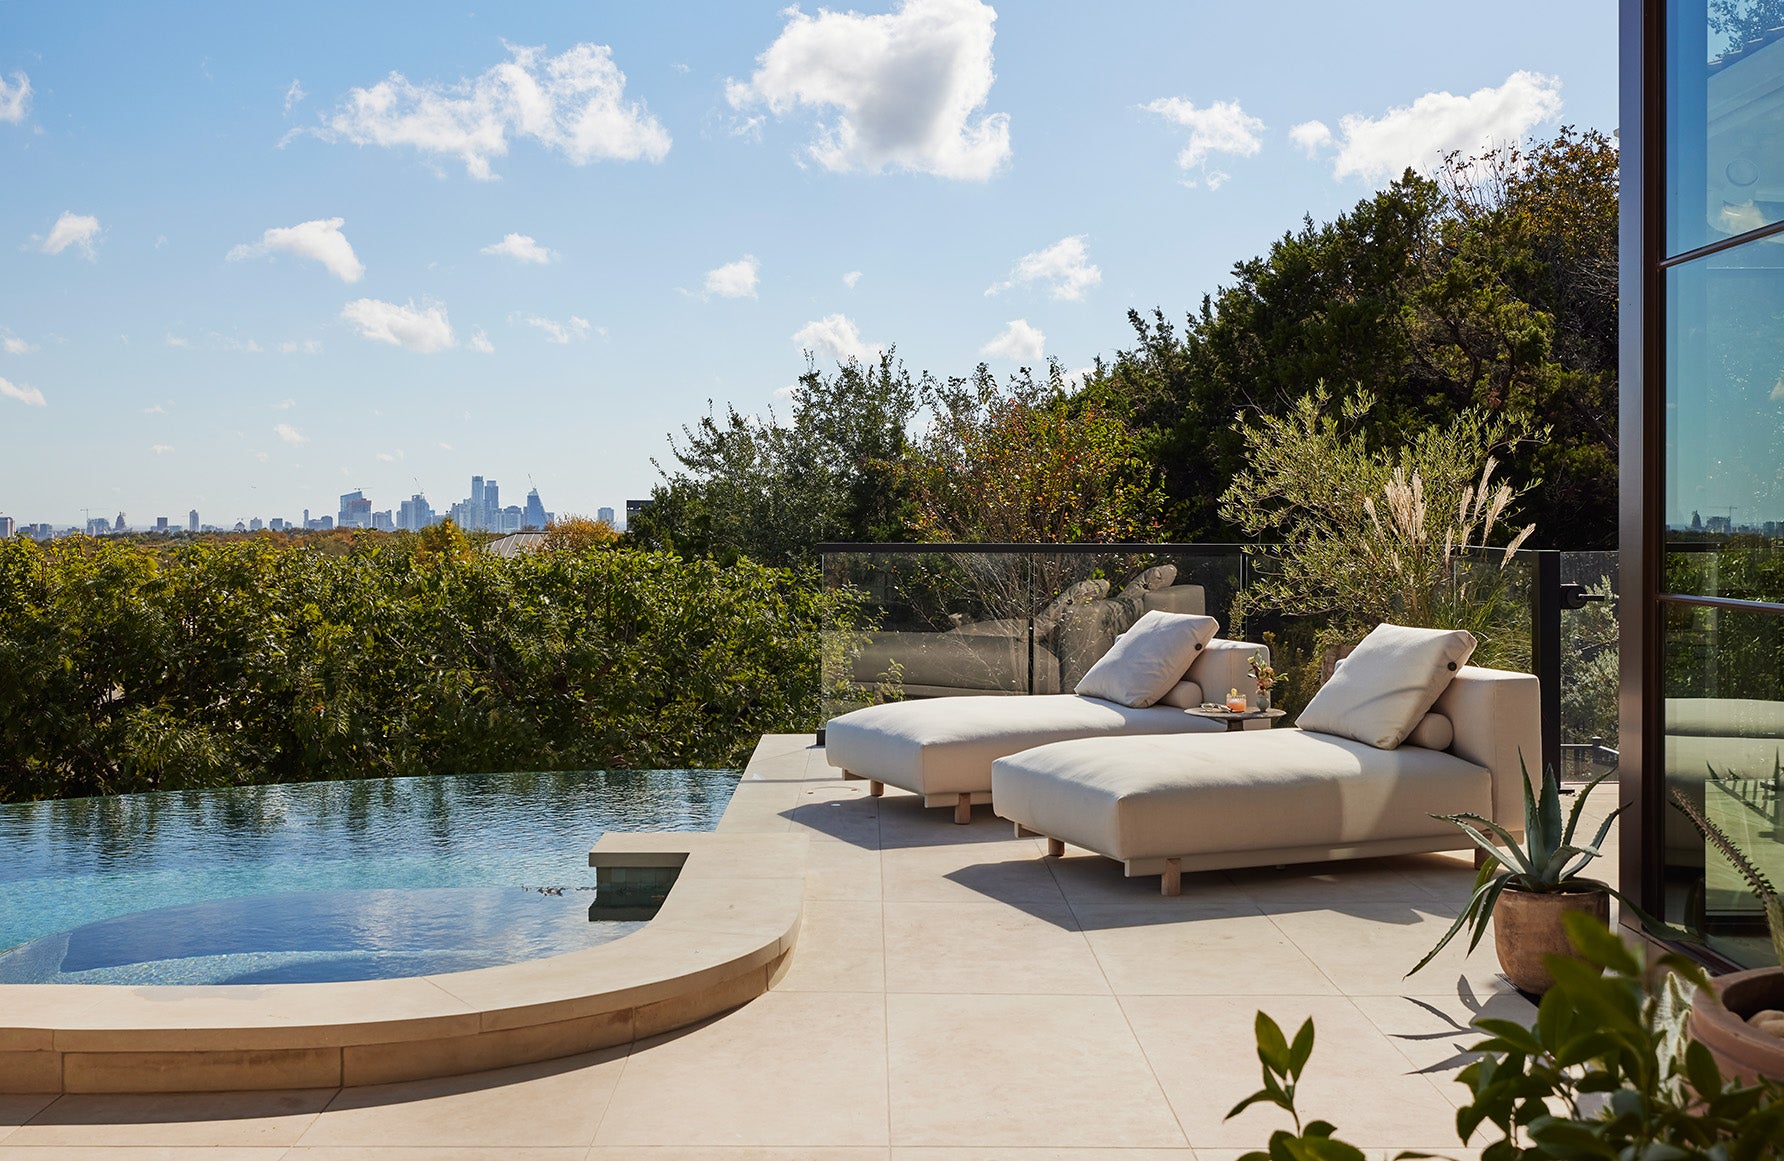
[1388, 683]
[945, 745]
[1434, 732]
[1148, 659]
[1168, 797]
[1184, 695]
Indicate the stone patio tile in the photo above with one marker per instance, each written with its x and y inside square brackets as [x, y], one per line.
[743, 1153]
[1002, 870]
[975, 947]
[1345, 883]
[431, 1153]
[1367, 948]
[1205, 1053]
[141, 1153]
[1214, 949]
[790, 1069]
[842, 948]
[843, 871]
[1056, 1071]
[553, 1103]
[179, 1120]
[1433, 1032]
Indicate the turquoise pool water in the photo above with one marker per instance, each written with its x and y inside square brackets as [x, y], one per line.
[318, 881]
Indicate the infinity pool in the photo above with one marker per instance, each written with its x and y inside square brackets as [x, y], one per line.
[323, 881]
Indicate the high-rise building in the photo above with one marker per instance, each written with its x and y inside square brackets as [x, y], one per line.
[535, 516]
[256, 524]
[98, 526]
[161, 525]
[383, 521]
[277, 524]
[192, 521]
[414, 514]
[6, 527]
[492, 496]
[633, 507]
[356, 510]
[120, 526]
[605, 516]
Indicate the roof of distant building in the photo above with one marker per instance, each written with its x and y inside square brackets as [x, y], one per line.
[516, 543]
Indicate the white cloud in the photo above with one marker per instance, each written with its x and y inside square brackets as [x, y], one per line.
[1222, 127]
[851, 279]
[293, 95]
[320, 241]
[161, 449]
[734, 279]
[29, 396]
[904, 89]
[1419, 134]
[300, 346]
[521, 248]
[72, 229]
[446, 447]
[423, 329]
[13, 345]
[790, 392]
[1019, 343]
[573, 103]
[178, 342]
[480, 343]
[390, 457]
[1311, 136]
[15, 99]
[1064, 268]
[836, 336]
[155, 409]
[290, 434]
[283, 405]
[557, 332]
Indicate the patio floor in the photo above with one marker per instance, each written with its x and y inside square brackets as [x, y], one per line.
[953, 995]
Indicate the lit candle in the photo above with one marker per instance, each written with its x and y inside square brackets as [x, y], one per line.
[1235, 701]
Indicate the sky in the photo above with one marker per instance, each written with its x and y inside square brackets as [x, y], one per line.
[253, 257]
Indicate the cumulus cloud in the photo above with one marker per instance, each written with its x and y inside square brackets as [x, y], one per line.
[290, 434]
[521, 248]
[15, 98]
[300, 346]
[851, 278]
[480, 343]
[1019, 343]
[904, 89]
[1222, 127]
[161, 449]
[29, 396]
[835, 336]
[413, 328]
[734, 279]
[1064, 268]
[283, 405]
[178, 342]
[319, 241]
[13, 345]
[560, 332]
[574, 104]
[72, 229]
[1419, 134]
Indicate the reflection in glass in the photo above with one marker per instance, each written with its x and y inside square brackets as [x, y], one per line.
[1725, 162]
[1724, 722]
[1724, 511]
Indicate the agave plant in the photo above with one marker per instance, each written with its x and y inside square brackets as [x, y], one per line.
[1548, 860]
[1756, 879]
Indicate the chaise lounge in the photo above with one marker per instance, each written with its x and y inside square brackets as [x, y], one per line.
[943, 748]
[1403, 730]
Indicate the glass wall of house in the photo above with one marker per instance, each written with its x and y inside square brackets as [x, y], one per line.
[1714, 285]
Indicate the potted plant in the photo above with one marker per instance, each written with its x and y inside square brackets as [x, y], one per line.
[1529, 887]
[1265, 675]
[1740, 1016]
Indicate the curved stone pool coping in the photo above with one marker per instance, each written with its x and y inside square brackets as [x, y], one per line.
[722, 937]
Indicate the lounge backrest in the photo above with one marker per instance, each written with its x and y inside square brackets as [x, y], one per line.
[1497, 716]
[1225, 665]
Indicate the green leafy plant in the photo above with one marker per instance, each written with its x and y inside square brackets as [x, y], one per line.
[1756, 879]
[1548, 860]
[1606, 1071]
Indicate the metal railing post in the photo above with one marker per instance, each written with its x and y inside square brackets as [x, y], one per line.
[1545, 649]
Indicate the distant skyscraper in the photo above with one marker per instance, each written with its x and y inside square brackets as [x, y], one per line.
[605, 516]
[161, 525]
[356, 511]
[256, 524]
[633, 507]
[414, 514]
[120, 526]
[492, 496]
[6, 527]
[192, 521]
[277, 524]
[383, 521]
[535, 516]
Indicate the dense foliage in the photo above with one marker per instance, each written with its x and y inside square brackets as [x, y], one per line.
[124, 668]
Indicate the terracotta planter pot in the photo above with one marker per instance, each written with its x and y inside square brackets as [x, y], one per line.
[1527, 927]
[1719, 1023]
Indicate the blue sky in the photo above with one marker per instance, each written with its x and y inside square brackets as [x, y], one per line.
[183, 323]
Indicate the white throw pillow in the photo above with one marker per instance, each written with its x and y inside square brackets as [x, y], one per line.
[1387, 684]
[1183, 695]
[1148, 659]
[1434, 732]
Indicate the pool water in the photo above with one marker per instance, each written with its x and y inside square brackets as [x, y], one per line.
[323, 881]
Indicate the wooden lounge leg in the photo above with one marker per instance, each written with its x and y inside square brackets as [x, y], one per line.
[1022, 831]
[963, 809]
[877, 789]
[1171, 882]
[850, 776]
[1055, 848]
